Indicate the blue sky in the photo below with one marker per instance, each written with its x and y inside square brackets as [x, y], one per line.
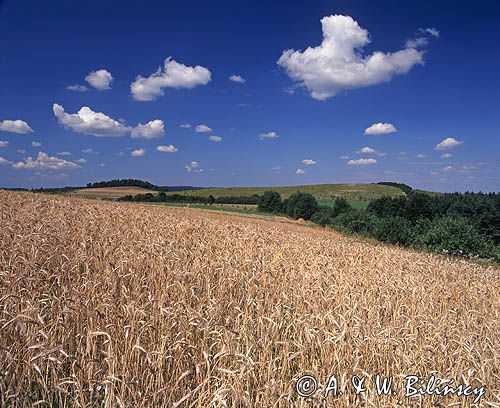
[422, 76]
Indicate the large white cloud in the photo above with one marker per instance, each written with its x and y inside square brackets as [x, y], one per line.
[100, 79]
[152, 129]
[88, 122]
[44, 161]
[361, 162]
[338, 63]
[448, 143]
[15, 126]
[173, 75]
[380, 129]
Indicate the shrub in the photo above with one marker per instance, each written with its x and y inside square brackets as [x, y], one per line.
[455, 236]
[302, 205]
[355, 221]
[395, 230]
[324, 216]
[340, 206]
[270, 202]
[284, 206]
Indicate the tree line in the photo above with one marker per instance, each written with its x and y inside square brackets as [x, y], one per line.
[187, 199]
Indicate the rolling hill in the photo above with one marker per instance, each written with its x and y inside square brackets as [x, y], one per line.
[354, 192]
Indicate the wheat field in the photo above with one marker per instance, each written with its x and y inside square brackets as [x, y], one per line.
[119, 304]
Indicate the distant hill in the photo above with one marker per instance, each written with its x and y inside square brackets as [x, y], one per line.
[355, 192]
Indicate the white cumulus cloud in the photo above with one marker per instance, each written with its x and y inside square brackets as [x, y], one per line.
[138, 152]
[338, 63]
[237, 78]
[4, 143]
[446, 156]
[268, 135]
[100, 79]
[380, 129]
[34, 143]
[4, 161]
[203, 129]
[166, 149]
[44, 161]
[448, 143]
[15, 126]
[88, 122]
[308, 162]
[215, 138]
[186, 126]
[152, 129]
[173, 75]
[194, 166]
[361, 162]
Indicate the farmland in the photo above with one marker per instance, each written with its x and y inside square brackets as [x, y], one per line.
[108, 192]
[123, 304]
[356, 192]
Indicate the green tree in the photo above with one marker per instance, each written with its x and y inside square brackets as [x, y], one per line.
[302, 205]
[455, 236]
[395, 230]
[270, 202]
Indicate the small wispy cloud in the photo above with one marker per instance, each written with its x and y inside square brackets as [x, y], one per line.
[237, 78]
[268, 135]
[361, 162]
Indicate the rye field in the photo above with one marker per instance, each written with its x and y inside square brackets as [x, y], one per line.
[128, 305]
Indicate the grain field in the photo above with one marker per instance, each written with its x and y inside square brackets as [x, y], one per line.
[120, 304]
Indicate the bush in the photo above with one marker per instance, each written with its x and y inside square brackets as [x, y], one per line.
[455, 236]
[340, 206]
[302, 205]
[270, 202]
[395, 230]
[324, 216]
[355, 221]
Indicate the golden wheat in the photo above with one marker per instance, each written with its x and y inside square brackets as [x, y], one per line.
[126, 305]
